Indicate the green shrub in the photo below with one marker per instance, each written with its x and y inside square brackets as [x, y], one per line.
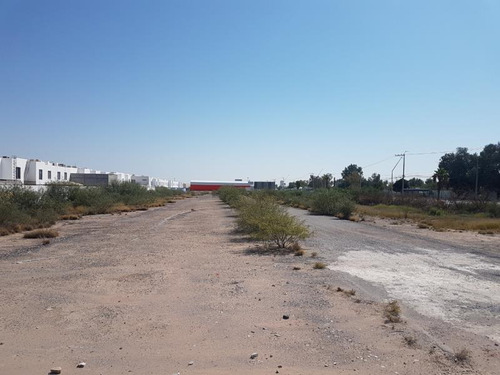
[264, 219]
[230, 195]
[333, 202]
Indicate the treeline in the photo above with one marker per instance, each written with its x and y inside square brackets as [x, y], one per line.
[464, 173]
[24, 209]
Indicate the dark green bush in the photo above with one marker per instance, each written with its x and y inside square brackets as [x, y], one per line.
[333, 202]
[264, 219]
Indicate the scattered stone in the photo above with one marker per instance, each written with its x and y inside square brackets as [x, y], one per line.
[55, 370]
[286, 317]
[190, 363]
[296, 268]
[81, 365]
[254, 355]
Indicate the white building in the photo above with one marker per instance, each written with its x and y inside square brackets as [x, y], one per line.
[159, 182]
[119, 177]
[12, 168]
[45, 172]
[142, 180]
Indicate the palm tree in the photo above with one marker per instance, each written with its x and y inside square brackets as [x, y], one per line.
[442, 177]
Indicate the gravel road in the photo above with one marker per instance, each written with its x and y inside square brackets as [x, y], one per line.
[176, 290]
[450, 276]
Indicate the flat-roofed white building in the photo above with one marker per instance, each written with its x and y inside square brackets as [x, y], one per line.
[12, 168]
[44, 172]
[159, 182]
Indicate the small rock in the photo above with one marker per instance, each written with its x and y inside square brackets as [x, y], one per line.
[254, 355]
[81, 365]
[190, 363]
[55, 370]
[286, 317]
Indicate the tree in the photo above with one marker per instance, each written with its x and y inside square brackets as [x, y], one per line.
[300, 184]
[327, 180]
[315, 182]
[489, 167]
[442, 177]
[352, 176]
[416, 182]
[375, 181]
[397, 185]
[350, 169]
[461, 168]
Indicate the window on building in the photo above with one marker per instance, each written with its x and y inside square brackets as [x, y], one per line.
[65, 175]
[40, 174]
[18, 173]
[49, 175]
[58, 175]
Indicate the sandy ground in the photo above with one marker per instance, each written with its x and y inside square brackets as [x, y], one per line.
[175, 290]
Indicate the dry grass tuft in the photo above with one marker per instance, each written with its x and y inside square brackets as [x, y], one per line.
[42, 233]
[299, 253]
[314, 254]
[45, 242]
[319, 265]
[350, 292]
[4, 232]
[463, 356]
[70, 217]
[295, 247]
[410, 340]
[392, 312]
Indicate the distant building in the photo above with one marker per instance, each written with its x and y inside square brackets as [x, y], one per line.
[216, 185]
[44, 172]
[91, 179]
[264, 185]
[12, 168]
[142, 180]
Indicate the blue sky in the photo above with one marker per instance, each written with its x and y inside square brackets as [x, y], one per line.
[224, 89]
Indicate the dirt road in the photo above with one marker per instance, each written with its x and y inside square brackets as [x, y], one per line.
[174, 290]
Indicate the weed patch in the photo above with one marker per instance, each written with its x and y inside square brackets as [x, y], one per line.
[42, 233]
[463, 356]
[392, 312]
[319, 265]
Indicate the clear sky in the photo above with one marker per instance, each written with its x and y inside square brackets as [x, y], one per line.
[265, 89]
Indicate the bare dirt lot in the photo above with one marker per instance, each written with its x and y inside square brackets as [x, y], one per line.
[175, 290]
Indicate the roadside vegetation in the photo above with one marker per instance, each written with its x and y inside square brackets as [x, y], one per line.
[262, 218]
[462, 194]
[22, 209]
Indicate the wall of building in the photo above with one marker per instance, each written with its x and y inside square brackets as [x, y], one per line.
[91, 179]
[12, 168]
[44, 172]
[142, 180]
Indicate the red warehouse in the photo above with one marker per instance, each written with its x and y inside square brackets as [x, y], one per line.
[216, 185]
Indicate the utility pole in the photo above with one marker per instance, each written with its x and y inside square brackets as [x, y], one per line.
[403, 155]
[392, 172]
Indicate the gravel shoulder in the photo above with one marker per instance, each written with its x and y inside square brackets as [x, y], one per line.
[149, 292]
